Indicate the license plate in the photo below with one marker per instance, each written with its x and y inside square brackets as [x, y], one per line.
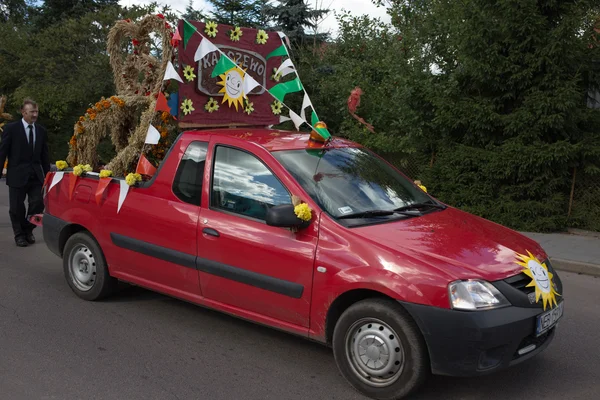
[548, 319]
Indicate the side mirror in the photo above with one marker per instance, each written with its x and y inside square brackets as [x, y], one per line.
[283, 216]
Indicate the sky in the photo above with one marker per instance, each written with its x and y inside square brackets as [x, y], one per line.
[355, 7]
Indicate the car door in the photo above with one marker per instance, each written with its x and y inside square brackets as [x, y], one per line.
[243, 262]
[154, 234]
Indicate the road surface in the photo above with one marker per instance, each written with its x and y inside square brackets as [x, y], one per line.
[142, 345]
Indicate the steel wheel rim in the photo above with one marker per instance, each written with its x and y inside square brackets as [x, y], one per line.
[374, 352]
[82, 268]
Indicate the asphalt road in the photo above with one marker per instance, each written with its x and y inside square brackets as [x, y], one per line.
[142, 345]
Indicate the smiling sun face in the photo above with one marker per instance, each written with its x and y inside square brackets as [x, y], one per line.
[541, 278]
[232, 82]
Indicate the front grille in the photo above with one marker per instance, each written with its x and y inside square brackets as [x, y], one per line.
[520, 283]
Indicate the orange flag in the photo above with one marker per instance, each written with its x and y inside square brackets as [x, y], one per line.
[144, 167]
[102, 185]
[72, 183]
[161, 103]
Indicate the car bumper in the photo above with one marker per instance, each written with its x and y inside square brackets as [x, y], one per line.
[477, 343]
[52, 228]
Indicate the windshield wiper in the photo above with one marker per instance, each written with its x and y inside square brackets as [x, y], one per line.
[415, 206]
[365, 214]
[377, 213]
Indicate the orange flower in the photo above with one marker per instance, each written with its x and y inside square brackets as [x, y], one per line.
[93, 117]
[106, 104]
[90, 111]
[73, 141]
[81, 119]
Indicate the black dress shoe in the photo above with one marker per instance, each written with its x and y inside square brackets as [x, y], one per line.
[30, 238]
[21, 242]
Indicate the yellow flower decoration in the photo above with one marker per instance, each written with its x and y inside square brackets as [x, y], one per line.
[60, 165]
[77, 170]
[276, 76]
[188, 73]
[249, 107]
[87, 168]
[187, 106]
[419, 184]
[276, 107]
[132, 178]
[303, 212]
[211, 29]
[262, 37]
[105, 173]
[235, 34]
[211, 105]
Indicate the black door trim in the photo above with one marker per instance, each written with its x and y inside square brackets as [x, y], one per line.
[152, 250]
[266, 282]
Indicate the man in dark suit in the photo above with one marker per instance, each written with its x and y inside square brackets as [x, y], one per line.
[25, 143]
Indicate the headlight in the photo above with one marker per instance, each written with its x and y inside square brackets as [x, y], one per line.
[475, 295]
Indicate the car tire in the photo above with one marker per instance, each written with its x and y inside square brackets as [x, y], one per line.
[85, 269]
[379, 349]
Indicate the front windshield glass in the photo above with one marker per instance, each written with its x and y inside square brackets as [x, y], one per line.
[350, 180]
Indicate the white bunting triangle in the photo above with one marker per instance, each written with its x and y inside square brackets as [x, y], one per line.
[296, 119]
[203, 49]
[153, 135]
[305, 103]
[283, 118]
[249, 84]
[170, 73]
[284, 36]
[285, 68]
[122, 193]
[55, 179]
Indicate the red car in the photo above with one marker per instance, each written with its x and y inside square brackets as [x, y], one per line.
[397, 283]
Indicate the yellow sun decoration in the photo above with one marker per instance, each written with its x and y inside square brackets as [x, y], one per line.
[232, 81]
[541, 279]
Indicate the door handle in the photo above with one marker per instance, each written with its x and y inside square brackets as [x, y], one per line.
[211, 232]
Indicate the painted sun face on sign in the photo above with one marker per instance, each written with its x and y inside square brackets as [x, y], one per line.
[541, 278]
[233, 83]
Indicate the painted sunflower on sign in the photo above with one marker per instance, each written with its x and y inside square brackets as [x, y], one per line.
[188, 73]
[235, 34]
[262, 37]
[211, 29]
[187, 106]
[276, 107]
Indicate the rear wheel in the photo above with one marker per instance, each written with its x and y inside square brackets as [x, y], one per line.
[380, 350]
[85, 268]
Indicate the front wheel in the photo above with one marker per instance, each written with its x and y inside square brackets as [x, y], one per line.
[85, 268]
[380, 350]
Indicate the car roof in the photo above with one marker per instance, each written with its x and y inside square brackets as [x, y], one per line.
[274, 139]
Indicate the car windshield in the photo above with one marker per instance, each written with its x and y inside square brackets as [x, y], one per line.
[351, 181]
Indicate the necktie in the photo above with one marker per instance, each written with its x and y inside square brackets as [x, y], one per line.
[31, 138]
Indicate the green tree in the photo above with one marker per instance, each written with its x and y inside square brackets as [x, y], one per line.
[64, 66]
[192, 14]
[243, 13]
[295, 17]
[510, 101]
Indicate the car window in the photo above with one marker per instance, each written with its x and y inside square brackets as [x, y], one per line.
[244, 185]
[187, 184]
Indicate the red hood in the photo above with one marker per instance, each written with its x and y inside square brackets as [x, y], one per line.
[458, 243]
